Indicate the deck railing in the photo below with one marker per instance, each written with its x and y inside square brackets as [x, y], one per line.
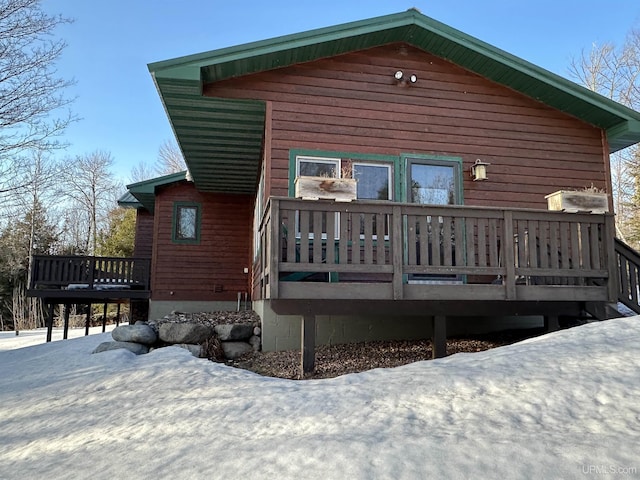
[406, 245]
[629, 267]
[83, 272]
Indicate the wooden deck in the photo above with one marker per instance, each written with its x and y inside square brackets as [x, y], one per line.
[328, 258]
[83, 279]
[395, 252]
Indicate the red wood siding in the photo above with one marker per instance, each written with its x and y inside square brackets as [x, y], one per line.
[143, 246]
[213, 269]
[352, 103]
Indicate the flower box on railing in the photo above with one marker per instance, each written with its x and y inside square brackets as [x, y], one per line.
[578, 201]
[314, 188]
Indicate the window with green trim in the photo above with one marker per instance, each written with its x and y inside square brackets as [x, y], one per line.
[186, 222]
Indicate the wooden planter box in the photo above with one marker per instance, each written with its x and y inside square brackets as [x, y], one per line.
[577, 201]
[314, 188]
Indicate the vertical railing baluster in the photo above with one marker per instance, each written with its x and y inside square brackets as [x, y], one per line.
[509, 254]
[447, 243]
[423, 240]
[368, 239]
[317, 237]
[331, 238]
[304, 236]
[380, 239]
[412, 240]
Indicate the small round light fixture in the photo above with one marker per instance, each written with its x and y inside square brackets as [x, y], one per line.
[413, 79]
[399, 75]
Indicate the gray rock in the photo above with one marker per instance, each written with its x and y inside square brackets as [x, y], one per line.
[235, 331]
[135, 333]
[184, 333]
[255, 342]
[257, 331]
[136, 348]
[233, 350]
[196, 350]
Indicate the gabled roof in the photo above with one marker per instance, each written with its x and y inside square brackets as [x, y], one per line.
[127, 200]
[221, 139]
[143, 194]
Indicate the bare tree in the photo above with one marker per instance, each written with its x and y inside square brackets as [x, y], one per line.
[615, 73]
[91, 185]
[170, 159]
[140, 172]
[31, 94]
[40, 177]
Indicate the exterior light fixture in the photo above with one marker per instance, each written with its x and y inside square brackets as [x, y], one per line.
[403, 80]
[479, 170]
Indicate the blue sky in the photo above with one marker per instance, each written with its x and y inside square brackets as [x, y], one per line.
[111, 43]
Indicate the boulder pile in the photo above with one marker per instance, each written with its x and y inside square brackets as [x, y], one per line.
[203, 338]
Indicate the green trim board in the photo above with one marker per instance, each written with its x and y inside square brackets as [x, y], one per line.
[221, 139]
[195, 238]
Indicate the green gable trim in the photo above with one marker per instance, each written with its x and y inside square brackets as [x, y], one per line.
[179, 82]
[145, 191]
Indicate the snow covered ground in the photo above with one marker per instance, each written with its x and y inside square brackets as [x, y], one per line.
[565, 405]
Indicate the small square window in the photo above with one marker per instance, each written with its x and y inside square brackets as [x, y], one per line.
[186, 223]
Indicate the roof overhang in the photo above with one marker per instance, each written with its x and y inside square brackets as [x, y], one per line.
[143, 194]
[127, 200]
[221, 139]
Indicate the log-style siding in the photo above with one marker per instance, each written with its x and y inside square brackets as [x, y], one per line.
[352, 103]
[213, 269]
[143, 246]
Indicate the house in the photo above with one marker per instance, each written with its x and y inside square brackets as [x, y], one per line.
[454, 145]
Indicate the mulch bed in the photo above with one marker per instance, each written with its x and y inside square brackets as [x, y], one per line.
[336, 360]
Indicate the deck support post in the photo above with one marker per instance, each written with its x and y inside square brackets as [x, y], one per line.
[49, 322]
[439, 337]
[308, 340]
[118, 316]
[65, 328]
[104, 318]
[551, 323]
[87, 321]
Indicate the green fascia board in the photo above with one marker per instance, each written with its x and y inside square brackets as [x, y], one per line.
[145, 191]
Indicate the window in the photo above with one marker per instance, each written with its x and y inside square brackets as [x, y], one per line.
[186, 222]
[318, 167]
[433, 181]
[374, 181]
[375, 175]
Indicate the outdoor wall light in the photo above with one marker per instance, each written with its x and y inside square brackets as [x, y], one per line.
[479, 170]
[400, 78]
